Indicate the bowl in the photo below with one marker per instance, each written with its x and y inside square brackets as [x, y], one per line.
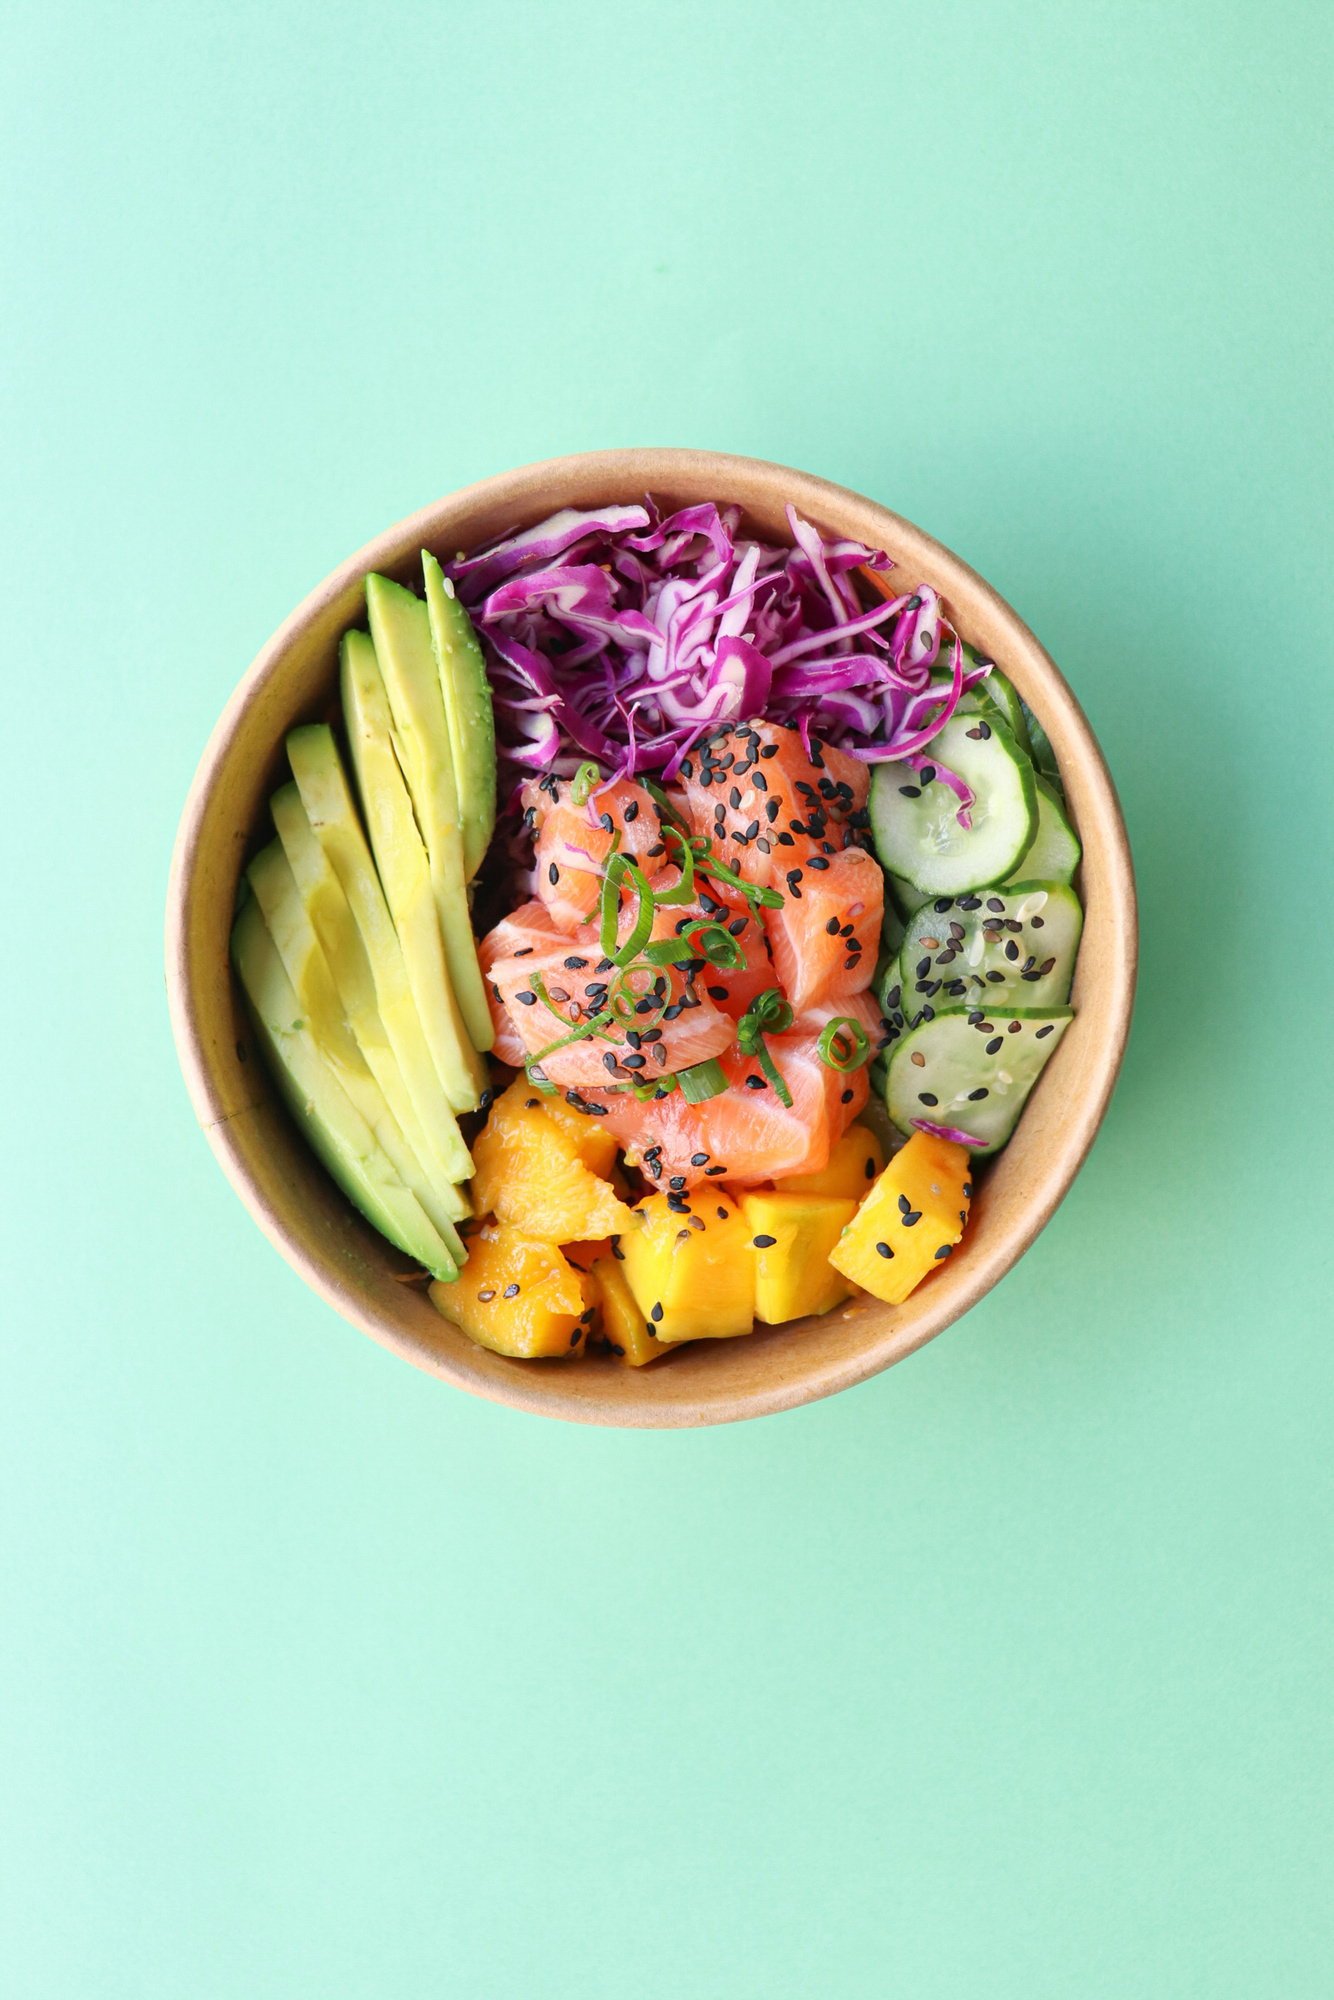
[315, 1228]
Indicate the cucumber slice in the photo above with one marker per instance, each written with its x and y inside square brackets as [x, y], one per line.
[915, 820]
[891, 928]
[994, 694]
[1012, 947]
[334, 1128]
[1054, 855]
[1044, 757]
[907, 896]
[972, 1070]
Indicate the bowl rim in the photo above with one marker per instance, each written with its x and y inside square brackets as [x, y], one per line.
[389, 1313]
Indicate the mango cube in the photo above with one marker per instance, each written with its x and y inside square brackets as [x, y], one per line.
[792, 1236]
[911, 1220]
[853, 1165]
[517, 1296]
[531, 1172]
[689, 1266]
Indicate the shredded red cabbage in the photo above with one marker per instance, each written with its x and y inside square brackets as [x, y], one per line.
[622, 636]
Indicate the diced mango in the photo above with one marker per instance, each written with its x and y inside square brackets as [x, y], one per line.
[792, 1236]
[594, 1145]
[623, 1323]
[853, 1165]
[690, 1267]
[529, 1172]
[517, 1296]
[910, 1221]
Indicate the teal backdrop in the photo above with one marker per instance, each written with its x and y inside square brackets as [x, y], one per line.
[1006, 1675]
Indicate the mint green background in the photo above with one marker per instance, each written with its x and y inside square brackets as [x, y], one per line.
[1007, 1674]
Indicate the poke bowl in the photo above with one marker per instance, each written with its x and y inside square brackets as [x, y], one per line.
[314, 688]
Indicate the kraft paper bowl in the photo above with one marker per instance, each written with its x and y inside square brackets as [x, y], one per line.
[306, 1217]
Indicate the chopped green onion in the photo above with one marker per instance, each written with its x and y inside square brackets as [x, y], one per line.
[585, 778]
[844, 1044]
[702, 1081]
[768, 1012]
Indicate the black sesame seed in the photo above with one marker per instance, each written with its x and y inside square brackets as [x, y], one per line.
[846, 1098]
[912, 1218]
[553, 874]
[998, 1043]
[884, 1249]
[976, 1096]
[910, 791]
[995, 903]
[1036, 923]
[716, 992]
[763, 1242]
[943, 1251]
[717, 1170]
[1044, 1031]
[656, 1314]
[817, 861]
[893, 997]
[756, 1083]
[526, 999]
[769, 750]
[510, 1292]
[785, 839]
[927, 1097]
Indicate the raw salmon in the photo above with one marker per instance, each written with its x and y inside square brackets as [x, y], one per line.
[826, 936]
[573, 842]
[754, 792]
[745, 1136]
[576, 978]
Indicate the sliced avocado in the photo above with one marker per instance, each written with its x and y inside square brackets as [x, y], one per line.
[321, 1107]
[396, 841]
[270, 876]
[401, 633]
[472, 722]
[334, 925]
[324, 791]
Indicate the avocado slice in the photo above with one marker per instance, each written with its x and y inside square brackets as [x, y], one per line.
[401, 635]
[335, 928]
[396, 842]
[270, 877]
[468, 709]
[321, 1107]
[332, 819]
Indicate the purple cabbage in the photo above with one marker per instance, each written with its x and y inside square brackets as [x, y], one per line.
[624, 636]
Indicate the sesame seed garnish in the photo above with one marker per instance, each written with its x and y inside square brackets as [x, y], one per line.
[884, 1249]
[699, 1159]
[553, 874]
[927, 1097]
[510, 1292]
[526, 999]
[656, 1314]
[763, 1242]
[918, 1058]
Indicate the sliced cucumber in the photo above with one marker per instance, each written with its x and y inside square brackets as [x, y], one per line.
[995, 693]
[891, 928]
[907, 896]
[1044, 757]
[1011, 947]
[1054, 854]
[972, 1071]
[915, 818]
